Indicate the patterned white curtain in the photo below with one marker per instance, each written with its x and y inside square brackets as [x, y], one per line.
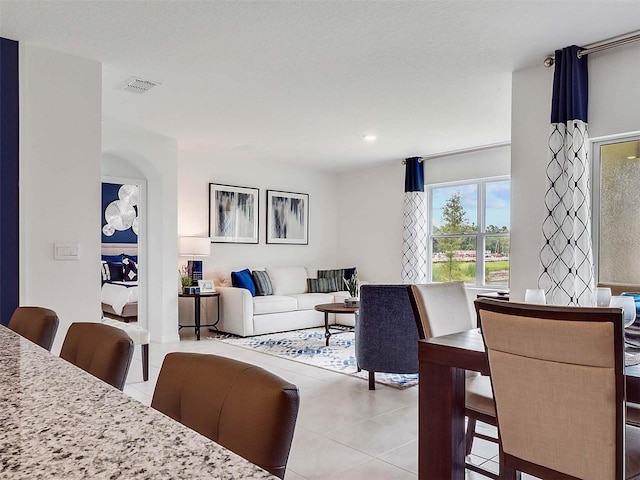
[414, 238]
[566, 257]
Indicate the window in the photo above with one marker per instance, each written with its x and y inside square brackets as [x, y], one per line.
[469, 232]
[616, 197]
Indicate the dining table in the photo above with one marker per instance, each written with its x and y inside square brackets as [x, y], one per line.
[441, 397]
[59, 422]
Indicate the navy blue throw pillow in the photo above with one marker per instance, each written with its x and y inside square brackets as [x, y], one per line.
[116, 271]
[112, 258]
[130, 270]
[242, 279]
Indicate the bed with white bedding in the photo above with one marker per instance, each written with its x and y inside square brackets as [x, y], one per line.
[119, 294]
[120, 298]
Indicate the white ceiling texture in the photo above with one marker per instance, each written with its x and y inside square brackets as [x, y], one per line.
[303, 81]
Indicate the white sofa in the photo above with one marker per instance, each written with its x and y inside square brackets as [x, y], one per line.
[291, 307]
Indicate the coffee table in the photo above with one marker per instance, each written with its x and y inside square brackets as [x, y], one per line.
[328, 308]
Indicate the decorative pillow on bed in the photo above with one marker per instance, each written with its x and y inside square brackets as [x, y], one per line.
[113, 272]
[130, 270]
[104, 269]
[322, 285]
[262, 282]
[242, 279]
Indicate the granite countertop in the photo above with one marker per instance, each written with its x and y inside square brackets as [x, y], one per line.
[59, 422]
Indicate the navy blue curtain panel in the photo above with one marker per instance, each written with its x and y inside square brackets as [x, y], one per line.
[414, 224]
[566, 256]
[570, 86]
[413, 177]
[9, 270]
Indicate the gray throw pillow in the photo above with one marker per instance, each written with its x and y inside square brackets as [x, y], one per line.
[262, 282]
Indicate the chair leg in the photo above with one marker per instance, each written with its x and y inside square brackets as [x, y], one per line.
[471, 430]
[145, 362]
[372, 380]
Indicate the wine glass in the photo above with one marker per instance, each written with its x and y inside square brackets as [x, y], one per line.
[603, 297]
[628, 306]
[535, 295]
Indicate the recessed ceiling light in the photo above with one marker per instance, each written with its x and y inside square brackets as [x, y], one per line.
[369, 138]
[631, 158]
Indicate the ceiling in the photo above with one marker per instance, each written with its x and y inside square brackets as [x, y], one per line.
[303, 81]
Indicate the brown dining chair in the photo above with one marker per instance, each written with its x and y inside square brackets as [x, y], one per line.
[103, 351]
[633, 409]
[37, 324]
[558, 382]
[442, 309]
[240, 406]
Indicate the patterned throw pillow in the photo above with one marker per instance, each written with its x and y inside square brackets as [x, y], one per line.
[104, 269]
[262, 283]
[130, 270]
[338, 275]
[322, 285]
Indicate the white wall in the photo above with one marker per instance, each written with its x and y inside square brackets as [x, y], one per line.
[196, 170]
[614, 108]
[60, 111]
[156, 157]
[371, 232]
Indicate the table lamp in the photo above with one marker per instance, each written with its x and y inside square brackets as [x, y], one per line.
[194, 247]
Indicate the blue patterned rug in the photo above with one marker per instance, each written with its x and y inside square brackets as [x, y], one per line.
[308, 346]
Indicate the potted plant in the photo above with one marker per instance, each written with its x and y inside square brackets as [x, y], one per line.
[352, 287]
[185, 279]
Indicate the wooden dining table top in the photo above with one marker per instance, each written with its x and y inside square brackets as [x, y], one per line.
[466, 350]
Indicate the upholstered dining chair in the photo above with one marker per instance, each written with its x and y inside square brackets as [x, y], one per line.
[37, 324]
[442, 309]
[103, 351]
[386, 338]
[558, 382]
[240, 406]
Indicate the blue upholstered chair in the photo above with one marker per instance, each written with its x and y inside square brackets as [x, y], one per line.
[386, 335]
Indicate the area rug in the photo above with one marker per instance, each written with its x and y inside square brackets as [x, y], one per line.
[308, 346]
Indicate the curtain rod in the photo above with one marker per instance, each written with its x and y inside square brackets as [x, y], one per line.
[599, 46]
[462, 151]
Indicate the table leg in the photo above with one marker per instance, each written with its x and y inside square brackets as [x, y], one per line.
[441, 439]
[196, 299]
[327, 333]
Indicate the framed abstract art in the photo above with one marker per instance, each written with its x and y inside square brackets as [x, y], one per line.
[287, 217]
[233, 214]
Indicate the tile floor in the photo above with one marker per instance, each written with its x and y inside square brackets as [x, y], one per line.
[344, 431]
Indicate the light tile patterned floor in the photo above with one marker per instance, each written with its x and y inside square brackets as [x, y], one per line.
[344, 431]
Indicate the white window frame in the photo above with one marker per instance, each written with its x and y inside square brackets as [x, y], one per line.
[480, 235]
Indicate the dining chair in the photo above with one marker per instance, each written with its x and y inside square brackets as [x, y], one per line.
[240, 406]
[37, 324]
[441, 309]
[103, 351]
[558, 382]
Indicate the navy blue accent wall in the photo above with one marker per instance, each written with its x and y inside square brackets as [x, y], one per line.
[9, 167]
[414, 175]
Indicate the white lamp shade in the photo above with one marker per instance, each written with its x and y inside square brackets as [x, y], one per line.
[195, 246]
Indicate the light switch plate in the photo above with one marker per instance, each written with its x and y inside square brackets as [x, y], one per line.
[66, 251]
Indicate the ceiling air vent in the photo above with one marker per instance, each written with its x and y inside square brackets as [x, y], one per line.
[138, 85]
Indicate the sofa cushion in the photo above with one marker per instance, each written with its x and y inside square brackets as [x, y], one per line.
[242, 279]
[321, 285]
[262, 282]
[306, 301]
[288, 280]
[274, 304]
[339, 274]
